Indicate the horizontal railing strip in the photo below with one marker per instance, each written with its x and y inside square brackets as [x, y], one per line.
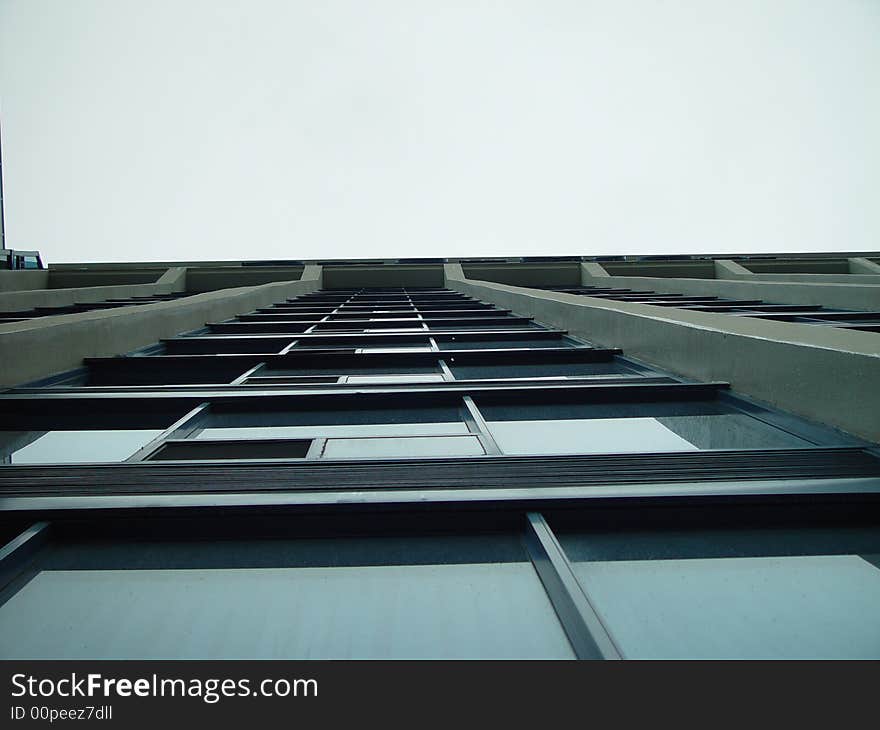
[497, 472]
[636, 391]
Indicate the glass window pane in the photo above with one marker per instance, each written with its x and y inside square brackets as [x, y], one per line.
[253, 449]
[629, 428]
[586, 437]
[427, 378]
[362, 598]
[72, 447]
[489, 344]
[537, 370]
[367, 448]
[413, 348]
[338, 370]
[223, 418]
[714, 595]
[335, 431]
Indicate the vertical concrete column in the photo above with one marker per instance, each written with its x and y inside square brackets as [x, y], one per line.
[589, 269]
[860, 265]
[313, 274]
[727, 269]
[172, 281]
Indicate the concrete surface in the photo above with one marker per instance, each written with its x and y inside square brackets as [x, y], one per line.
[727, 269]
[861, 265]
[26, 280]
[842, 296]
[172, 280]
[41, 347]
[822, 373]
[347, 276]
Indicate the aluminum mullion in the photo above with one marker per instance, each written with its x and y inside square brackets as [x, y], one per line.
[447, 373]
[587, 634]
[20, 549]
[181, 428]
[477, 421]
[248, 373]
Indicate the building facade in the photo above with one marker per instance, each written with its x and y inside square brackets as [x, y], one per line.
[549, 458]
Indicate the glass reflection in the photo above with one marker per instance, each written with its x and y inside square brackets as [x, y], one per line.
[73, 447]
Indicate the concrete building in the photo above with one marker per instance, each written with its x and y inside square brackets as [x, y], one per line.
[551, 457]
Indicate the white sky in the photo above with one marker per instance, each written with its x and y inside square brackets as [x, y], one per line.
[174, 129]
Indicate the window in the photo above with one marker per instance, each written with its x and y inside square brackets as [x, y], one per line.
[374, 379]
[72, 447]
[734, 594]
[488, 343]
[351, 370]
[407, 348]
[629, 428]
[228, 449]
[410, 447]
[539, 370]
[331, 423]
[472, 596]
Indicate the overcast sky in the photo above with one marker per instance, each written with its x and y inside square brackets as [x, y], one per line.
[174, 129]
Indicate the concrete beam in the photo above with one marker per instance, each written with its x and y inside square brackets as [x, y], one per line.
[41, 347]
[212, 278]
[23, 280]
[567, 273]
[729, 269]
[345, 276]
[819, 278]
[822, 373]
[172, 280]
[842, 296]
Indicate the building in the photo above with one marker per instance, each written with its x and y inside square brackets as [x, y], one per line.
[523, 458]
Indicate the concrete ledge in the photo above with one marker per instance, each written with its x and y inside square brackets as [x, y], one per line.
[870, 279]
[822, 373]
[842, 296]
[344, 276]
[173, 280]
[205, 278]
[551, 274]
[23, 280]
[41, 347]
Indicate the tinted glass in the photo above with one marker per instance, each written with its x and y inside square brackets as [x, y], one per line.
[725, 596]
[538, 370]
[335, 431]
[412, 348]
[427, 378]
[362, 598]
[419, 446]
[630, 428]
[490, 344]
[71, 447]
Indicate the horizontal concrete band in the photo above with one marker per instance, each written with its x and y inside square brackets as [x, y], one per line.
[870, 279]
[38, 348]
[171, 281]
[842, 296]
[26, 280]
[822, 373]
